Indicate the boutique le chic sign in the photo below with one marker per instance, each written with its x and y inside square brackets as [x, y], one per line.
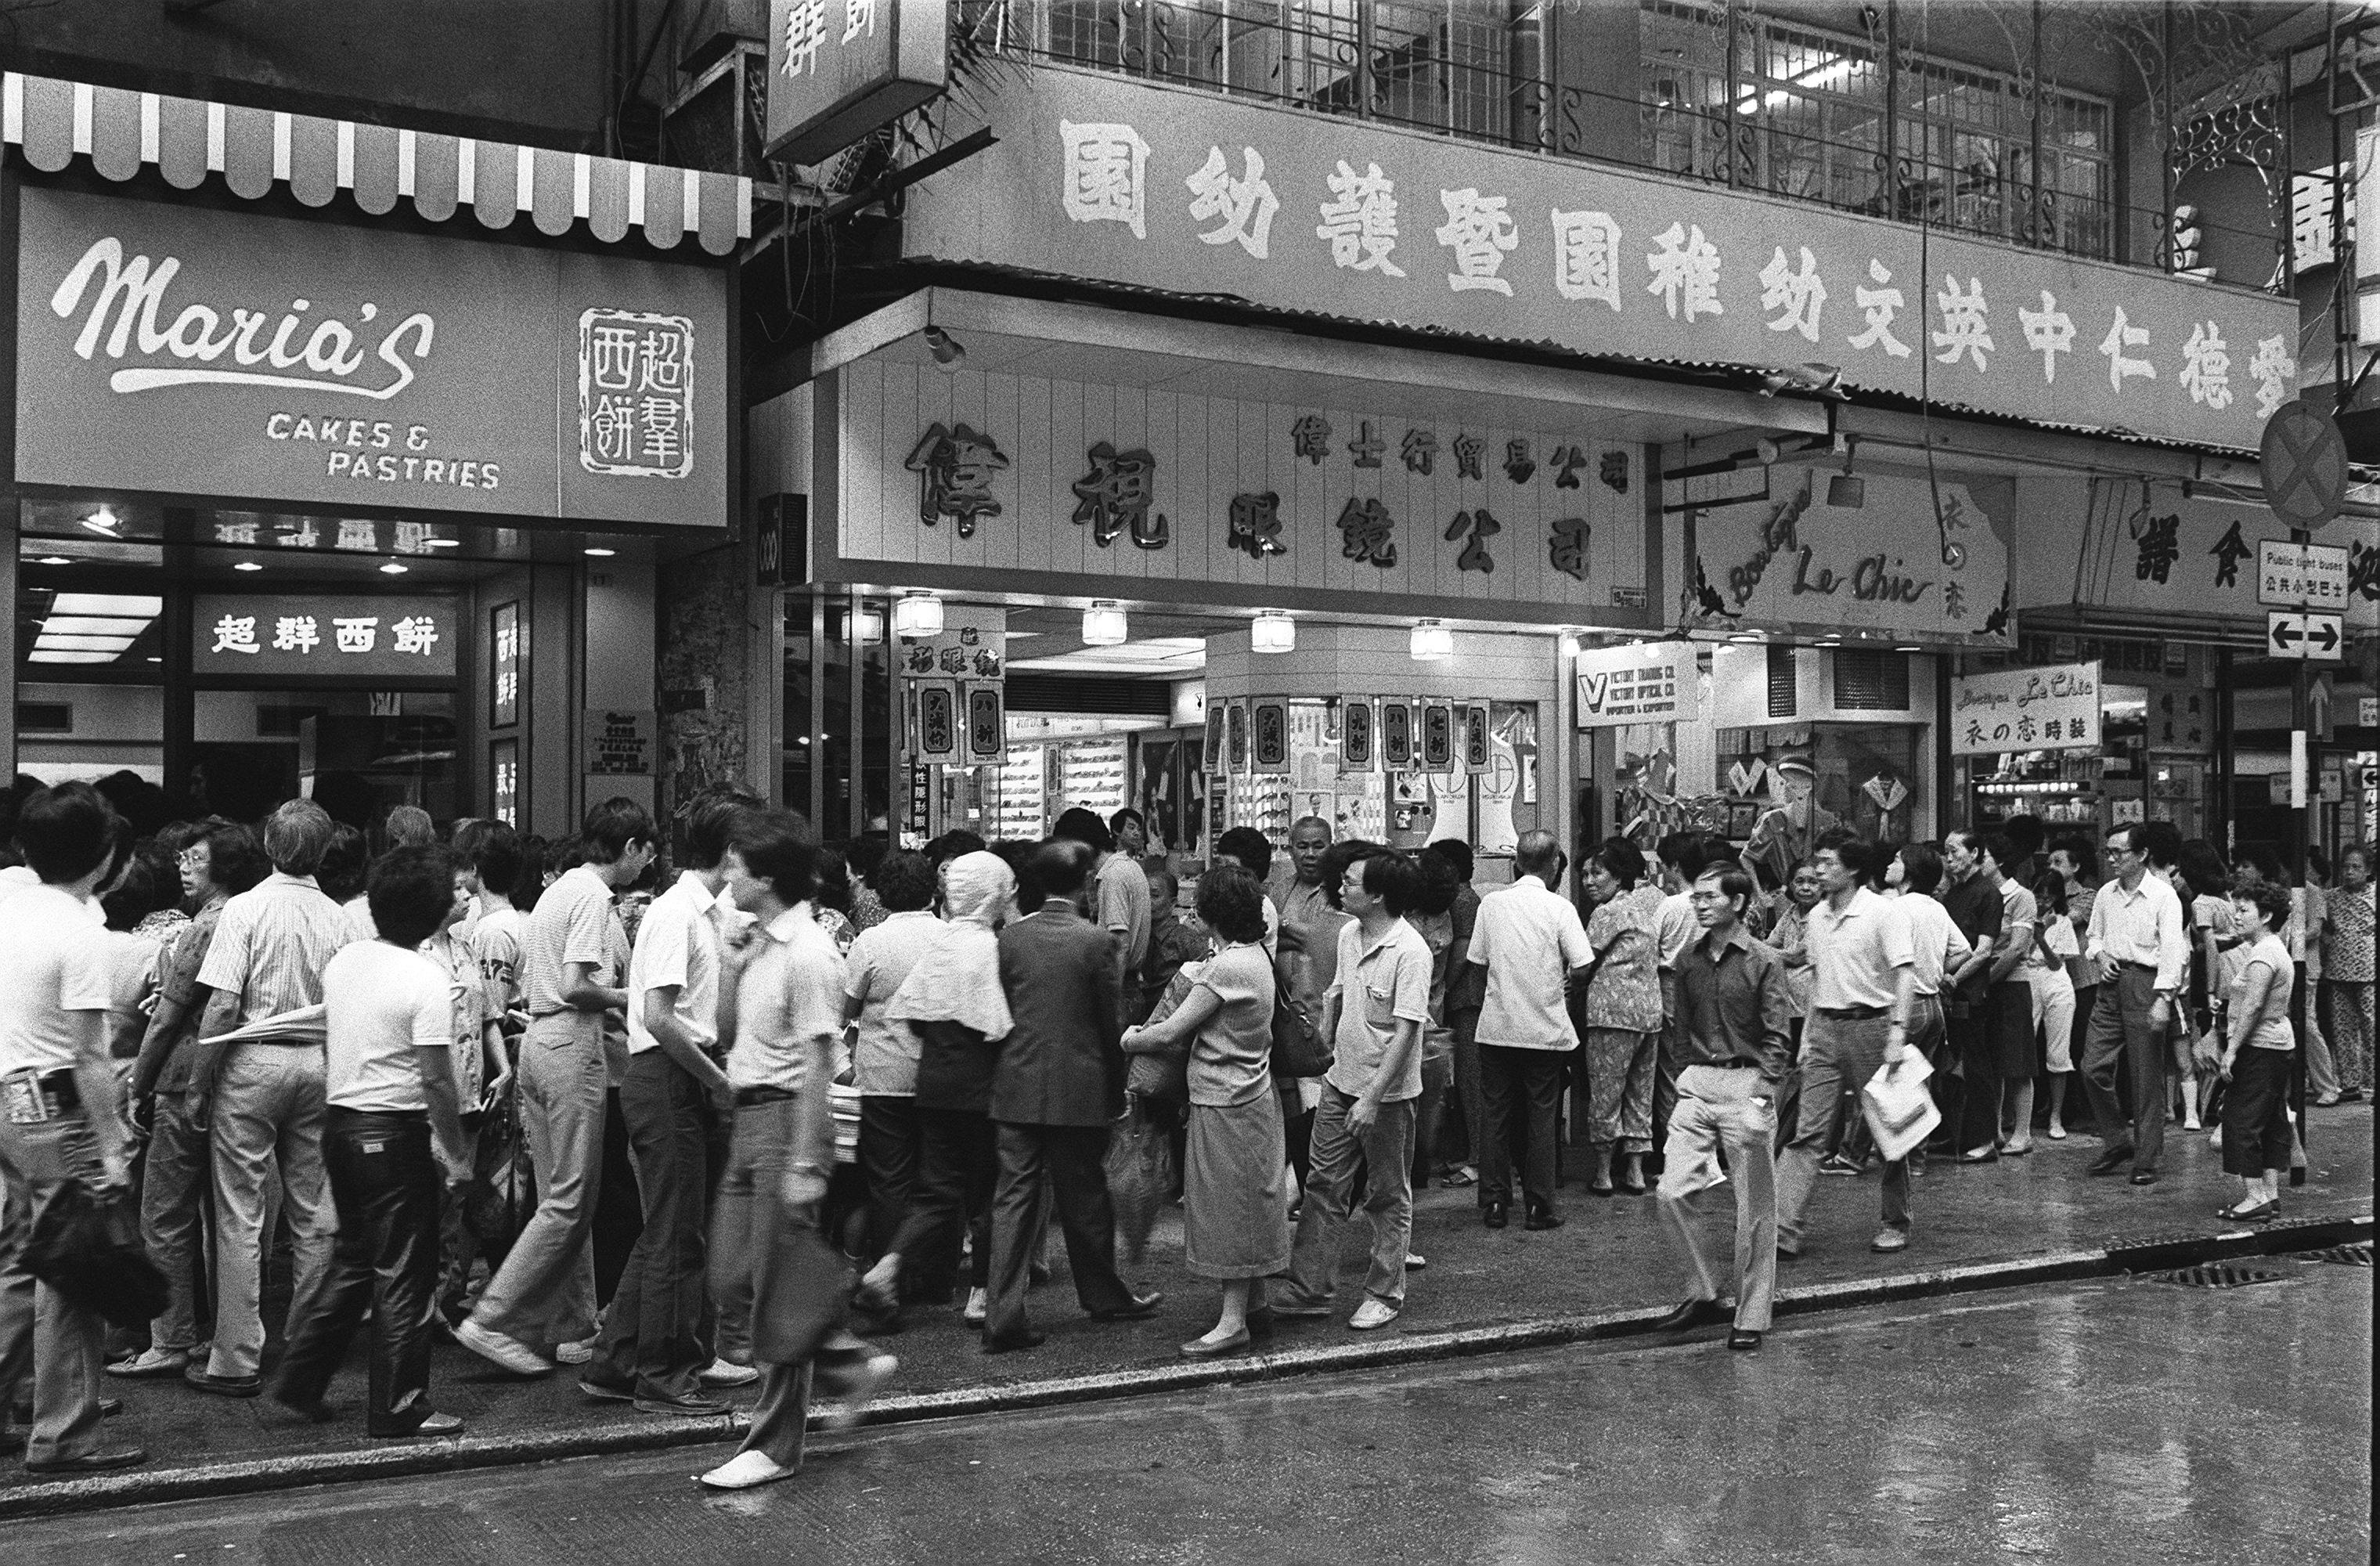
[180, 350]
[2005, 710]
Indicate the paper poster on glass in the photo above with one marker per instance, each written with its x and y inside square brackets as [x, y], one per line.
[1358, 737]
[987, 722]
[936, 703]
[1437, 737]
[1269, 720]
[1396, 734]
[1478, 754]
[1235, 741]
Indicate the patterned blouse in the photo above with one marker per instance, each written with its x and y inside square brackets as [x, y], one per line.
[2347, 958]
[1626, 990]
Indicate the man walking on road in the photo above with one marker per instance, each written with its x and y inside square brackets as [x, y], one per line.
[545, 1291]
[2137, 943]
[1735, 1038]
[1529, 940]
[1860, 999]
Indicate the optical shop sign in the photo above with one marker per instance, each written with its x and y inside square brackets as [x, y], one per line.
[186, 351]
[1197, 194]
[1895, 564]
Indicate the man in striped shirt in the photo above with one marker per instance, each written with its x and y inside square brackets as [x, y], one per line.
[272, 943]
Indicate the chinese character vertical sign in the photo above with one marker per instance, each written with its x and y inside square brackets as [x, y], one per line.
[636, 394]
[504, 665]
[503, 781]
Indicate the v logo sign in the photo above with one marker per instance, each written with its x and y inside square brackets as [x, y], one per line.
[1591, 689]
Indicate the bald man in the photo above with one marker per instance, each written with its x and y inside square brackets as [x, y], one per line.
[1305, 895]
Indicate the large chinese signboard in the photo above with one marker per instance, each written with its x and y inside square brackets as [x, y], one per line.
[1923, 559]
[840, 69]
[336, 636]
[181, 350]
[1198, 194]
[1015, 480]
[2004, 709]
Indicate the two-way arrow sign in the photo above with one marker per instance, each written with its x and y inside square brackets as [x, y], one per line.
[2321, 638]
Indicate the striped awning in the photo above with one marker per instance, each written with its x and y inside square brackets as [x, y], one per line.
[254, 150]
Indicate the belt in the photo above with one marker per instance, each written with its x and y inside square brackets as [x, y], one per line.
[1851, 1013]
[2145, 967]
[747, 1097]
[1726, 1065]
[37, 1098]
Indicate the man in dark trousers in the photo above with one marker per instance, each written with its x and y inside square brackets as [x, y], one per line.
[1058, 1085]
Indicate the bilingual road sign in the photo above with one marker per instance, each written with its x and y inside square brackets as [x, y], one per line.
[2305, 461]
[2301, 576]
[2319, 637]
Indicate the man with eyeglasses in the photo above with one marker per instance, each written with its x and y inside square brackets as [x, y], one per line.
[2137, 947]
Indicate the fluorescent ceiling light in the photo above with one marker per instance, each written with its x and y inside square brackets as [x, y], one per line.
[53, 560]
[124, 605]
[54, 655]
[246, 565]
[93, 626]
[84, 643]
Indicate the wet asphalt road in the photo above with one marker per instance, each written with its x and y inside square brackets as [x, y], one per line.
[2105, 1423]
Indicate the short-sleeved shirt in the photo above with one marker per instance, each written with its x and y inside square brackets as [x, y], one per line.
[790, 992]
[496, 942]
[272, 943]
[2273, 1032]
[380, 1004]
[677, 946]
[1379, 984]
[470, 1007]
[884, 1056]
[2348, 946]
[51, 965]
[2021, 911]
[1466, 987]
[1626, 989]
[1676, 928]
[132, 962]
[1790, 933]
[1527, 939]
[1975, 905]
[1936, 943]
[178, 987]
[1230, 1059]
[1123, 905]
[1856, 951]
[572, 923]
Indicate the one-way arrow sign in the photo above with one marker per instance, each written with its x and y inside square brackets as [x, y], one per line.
[2321, 638]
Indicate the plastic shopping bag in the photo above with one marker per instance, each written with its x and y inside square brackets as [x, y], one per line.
[1900, 1112]
[1140, 1174]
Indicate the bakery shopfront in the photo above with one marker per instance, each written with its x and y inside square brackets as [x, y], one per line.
[341, 458]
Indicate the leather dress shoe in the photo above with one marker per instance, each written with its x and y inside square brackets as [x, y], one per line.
[1142, 1305]
[1542, 1218]
[1492, 1215]
[2144, 1177]
[1204, 1348]
[1017, 1344]
[97, 1461]
[1694, 1312]
[2111, 1161]
[198, 1377]
[1743, 1340]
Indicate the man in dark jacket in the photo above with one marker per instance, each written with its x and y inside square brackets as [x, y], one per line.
[1058, 1085]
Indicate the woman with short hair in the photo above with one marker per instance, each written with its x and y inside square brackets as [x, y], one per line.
[1622, 1013]
[2255, 1060]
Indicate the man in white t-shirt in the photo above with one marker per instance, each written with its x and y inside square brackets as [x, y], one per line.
[545, 1291]
[61, 1127]
[490, 869]
[654, 1350]
[1530, 940]
[393, 1113]
[1119, 890]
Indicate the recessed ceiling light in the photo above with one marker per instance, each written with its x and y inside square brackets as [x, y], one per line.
[601, 553]
[246, 565]
[393, 568]
[103, 521]
[53, 560]
[441, 543]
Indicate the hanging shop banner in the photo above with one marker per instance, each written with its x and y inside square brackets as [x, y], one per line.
[505, 652]
[1397, 750]
[1217, 756]
[1196, 193]
[1235, 742]
[1654, 682]
[344, 635]
[1358, 740]
[1437, 737]
[1017, 480]
[936, 703]
[1899, 564]
[838, 72]
[503, 782]
[1269, 720]
[620, 743]
[2182, 562]
[986, 734]
[184, 351]
[2004, 709]
[1478, 749]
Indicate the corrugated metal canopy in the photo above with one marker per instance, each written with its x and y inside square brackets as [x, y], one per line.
[121, 132]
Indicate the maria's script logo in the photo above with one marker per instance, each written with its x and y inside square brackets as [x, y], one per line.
[330, 360]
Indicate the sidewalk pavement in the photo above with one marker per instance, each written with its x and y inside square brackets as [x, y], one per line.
[1481, 1291]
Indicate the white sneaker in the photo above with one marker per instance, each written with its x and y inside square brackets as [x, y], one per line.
[580, 1351]
[726, 1373]
[509, 1353]
[1415, 1263]
[745, 1469]
[978, 1307]
[851, 1402]
[1372, 1315]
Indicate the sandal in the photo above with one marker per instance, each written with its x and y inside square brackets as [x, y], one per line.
[1460, 1176]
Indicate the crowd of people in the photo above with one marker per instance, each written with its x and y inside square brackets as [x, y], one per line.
[693, 1125]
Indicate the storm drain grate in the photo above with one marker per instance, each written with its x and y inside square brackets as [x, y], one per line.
[2218, 1275]
[2344, 1256]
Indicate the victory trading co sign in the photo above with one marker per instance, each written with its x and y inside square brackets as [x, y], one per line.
[184, 351]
